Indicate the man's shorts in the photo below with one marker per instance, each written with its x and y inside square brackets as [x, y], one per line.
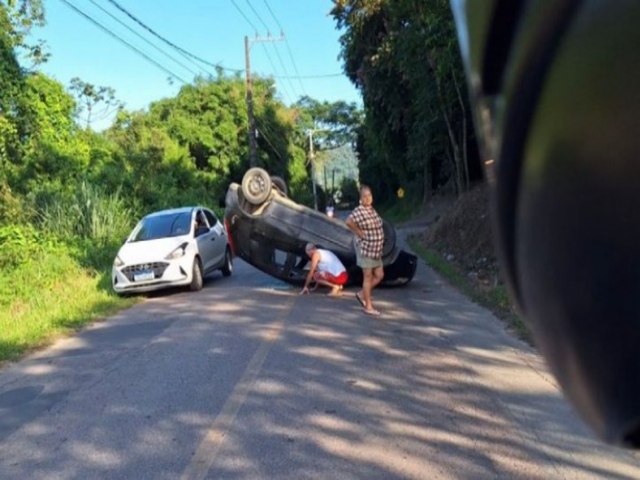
[327, 277]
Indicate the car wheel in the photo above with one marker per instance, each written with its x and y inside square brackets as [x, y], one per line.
[196, 277]
[389, 238]
[256, 185]
[280, 184]
[227, 269]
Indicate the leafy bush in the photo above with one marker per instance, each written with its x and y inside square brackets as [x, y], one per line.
[22, 244]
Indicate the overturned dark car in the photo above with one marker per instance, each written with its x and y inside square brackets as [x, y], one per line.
[269, 231]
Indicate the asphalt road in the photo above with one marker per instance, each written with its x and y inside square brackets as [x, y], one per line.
[248, 380]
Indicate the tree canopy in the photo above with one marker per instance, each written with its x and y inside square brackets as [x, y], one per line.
[403, 56]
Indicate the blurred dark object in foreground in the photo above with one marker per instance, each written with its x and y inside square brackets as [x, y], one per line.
[556, 91]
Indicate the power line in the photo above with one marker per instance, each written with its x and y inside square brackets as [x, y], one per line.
[273, 16]
[295, 67]
[286, 42]
[264, 128]
[255, 29]
[326, 75]
[258, 15]
[288, 91]
[284, 68]
[168, 42]
[275, 70]
[142, 38]
[109, 32]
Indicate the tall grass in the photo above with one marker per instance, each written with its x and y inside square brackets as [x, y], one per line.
[44, 291]
[92, 220]
[55, 276]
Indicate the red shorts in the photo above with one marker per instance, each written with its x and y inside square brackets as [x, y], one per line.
[327, 277]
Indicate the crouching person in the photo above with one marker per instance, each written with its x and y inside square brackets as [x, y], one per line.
[326, 269]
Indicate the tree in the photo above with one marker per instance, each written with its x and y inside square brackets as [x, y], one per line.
[89, 97]
[403, 56]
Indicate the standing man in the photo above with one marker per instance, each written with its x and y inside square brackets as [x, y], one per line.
[326, 269]
[365, 222]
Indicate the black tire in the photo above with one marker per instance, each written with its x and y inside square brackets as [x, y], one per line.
[389, 238]
[280, 184]
[256, 185]
[197, 281]
[227, 268]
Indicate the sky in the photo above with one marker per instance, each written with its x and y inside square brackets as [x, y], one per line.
[209, 30]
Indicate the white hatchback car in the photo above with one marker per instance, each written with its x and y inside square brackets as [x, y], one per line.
[172, 248]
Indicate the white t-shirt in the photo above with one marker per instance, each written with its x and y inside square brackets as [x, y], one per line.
[329, 263]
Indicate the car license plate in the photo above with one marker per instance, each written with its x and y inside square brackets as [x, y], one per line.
[142, 276]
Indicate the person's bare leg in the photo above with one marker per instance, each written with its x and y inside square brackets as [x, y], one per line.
[378, 275]
[335, 289]
[367, 279]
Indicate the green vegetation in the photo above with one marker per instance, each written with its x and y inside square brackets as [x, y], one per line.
[494, 298]
[403, 56]
[69, 195]
[44, 291]
[401, 209]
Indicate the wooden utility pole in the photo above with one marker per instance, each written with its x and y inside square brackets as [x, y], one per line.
[253, 146]
[253, 133]
[310, 132]
[313, 170]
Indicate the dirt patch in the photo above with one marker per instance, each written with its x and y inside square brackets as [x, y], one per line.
[464, 237]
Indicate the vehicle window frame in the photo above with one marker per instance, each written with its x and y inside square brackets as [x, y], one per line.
[205, 228]
[208, 213]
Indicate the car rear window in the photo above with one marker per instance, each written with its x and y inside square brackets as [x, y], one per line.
[162, 226]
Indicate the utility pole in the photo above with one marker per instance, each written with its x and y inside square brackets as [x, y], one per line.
[253, 133]
[313, 170]
[310, 132]
[253, 146]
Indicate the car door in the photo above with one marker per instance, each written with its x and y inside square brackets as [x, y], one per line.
[218, 239]
[206, 239]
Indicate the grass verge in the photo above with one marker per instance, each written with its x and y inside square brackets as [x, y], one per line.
[45, 299]
[496, 299]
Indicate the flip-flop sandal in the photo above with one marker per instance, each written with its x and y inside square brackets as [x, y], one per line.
[360, 300]
[373, 312]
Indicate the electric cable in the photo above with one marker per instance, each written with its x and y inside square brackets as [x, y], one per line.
[120, 39]
[255, 29]
[276, 71]
[286, 42]
[286, 73]
[168, 42]
[145, 39]
[257, 15]
[325, 75]
[262, 130]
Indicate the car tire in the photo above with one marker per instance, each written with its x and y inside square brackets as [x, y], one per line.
[227, 268]
[256, 185]
[280, 184]
[389, 238]
[197, 281]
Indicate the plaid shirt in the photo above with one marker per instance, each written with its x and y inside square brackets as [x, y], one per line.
[371, 224]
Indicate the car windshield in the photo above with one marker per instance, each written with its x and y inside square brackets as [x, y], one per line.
[162, 226]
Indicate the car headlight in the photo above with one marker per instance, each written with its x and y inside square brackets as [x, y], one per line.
[177, 253]
[117, 262]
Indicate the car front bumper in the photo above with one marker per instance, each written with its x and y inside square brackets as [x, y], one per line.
[151, 276]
